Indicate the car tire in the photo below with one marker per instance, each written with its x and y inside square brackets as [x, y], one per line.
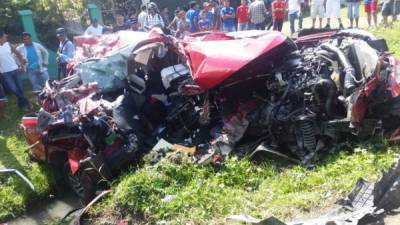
[80, 184]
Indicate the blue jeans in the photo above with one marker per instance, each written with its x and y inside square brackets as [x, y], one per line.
[292, 18]
[353, 10]
[14, 82]
[38, 79]
[258, 26]
[243, 26]
[228, 28]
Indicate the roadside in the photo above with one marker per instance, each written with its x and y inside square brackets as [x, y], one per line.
[15, 194]
[48, 212]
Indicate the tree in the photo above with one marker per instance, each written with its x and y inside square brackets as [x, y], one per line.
[109, 8]
[47, 14]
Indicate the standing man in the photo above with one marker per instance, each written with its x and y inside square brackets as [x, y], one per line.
[268, 20]
[120, 23]
[192, 16]
[37, 59]
[242, 13]
[153, 18]
[294, 11]
[142, 16]
[228, 17]
[278, 14]
[65, 53]
[166, 16]
[317, 10]
[94, 28]
[370, 7]
[258, 13]
[390, 8]
[209, 15]
[333, 10]
[217, 15]
[353, 8]
[10, 71]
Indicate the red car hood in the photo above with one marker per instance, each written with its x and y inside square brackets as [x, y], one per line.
[212, 62]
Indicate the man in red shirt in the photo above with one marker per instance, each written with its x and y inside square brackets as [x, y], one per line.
[278, 14]
[242, 13]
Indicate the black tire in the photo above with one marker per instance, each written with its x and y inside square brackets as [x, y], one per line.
[80, 184]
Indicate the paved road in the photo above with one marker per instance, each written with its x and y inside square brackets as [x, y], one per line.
[50, 210]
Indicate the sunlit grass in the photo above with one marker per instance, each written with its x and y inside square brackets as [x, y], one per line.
[15, 194]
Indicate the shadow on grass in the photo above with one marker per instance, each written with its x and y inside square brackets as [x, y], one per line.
[7, 158]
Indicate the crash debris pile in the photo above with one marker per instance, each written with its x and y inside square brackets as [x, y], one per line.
[212, 93]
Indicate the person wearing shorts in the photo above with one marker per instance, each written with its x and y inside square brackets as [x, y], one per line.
[370, 7]
[390, 8]
[353, 8]
[317, 10]
[332, 8]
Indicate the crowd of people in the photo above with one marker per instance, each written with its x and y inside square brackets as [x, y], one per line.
[213, 15]
[250, 14]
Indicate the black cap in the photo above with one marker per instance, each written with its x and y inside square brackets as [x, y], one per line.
[60, 32]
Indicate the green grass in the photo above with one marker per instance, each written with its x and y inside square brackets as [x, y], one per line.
[391, 35]
[206, 196]
[15, 194]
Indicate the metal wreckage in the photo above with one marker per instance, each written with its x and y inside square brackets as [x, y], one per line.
[212, 93]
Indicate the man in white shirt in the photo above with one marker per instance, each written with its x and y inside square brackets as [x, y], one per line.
[142, 16]
[94, 28]
[10, 71]
[294, 11]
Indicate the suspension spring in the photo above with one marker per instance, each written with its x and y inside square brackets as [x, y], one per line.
[309, 138]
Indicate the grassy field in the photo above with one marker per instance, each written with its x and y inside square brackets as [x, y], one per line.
[203, 195]
[15, 194]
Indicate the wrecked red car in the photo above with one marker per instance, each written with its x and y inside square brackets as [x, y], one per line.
[215, 92]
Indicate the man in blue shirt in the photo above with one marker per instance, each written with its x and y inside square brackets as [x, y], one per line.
[65, 53]
[192, 17]
[37, 59]
[228, 17]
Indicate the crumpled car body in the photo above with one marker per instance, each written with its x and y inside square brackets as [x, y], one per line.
[216, 92]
